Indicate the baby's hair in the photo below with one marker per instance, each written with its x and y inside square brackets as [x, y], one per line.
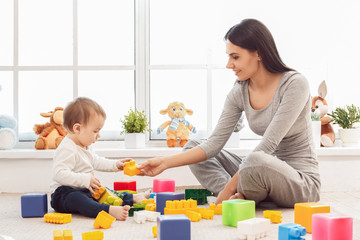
[80, 111]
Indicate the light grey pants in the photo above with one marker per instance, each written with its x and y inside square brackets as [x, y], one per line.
[261, 176]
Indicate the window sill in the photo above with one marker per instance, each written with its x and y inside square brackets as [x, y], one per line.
[116, 149]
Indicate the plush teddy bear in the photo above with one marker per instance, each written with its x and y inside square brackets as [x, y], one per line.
[52, 133]
[320, 107]
[8, 137]
[179, 128]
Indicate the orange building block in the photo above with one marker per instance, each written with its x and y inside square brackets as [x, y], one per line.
[65, 235]
[103, 220]
[94, 235]
[180, 207]
[131, 169]
[217, 208]
[59, 218]
[274, 216]
[148, 200]
[304, 211]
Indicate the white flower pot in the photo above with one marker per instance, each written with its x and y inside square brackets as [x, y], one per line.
[135, 140]
[316, 132]
[350, 137]
[233, 141]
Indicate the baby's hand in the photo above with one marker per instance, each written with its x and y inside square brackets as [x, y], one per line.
[94, 183]
[121, 163]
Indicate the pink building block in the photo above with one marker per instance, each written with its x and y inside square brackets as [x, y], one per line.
[331, 226]
[163, 185]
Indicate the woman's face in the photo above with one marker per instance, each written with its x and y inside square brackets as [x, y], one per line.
[244, 63]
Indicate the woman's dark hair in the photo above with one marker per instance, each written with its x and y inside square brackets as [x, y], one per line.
[253, 35]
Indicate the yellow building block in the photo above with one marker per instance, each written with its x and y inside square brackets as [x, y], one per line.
[103, 220]
[154, 231]
[65, 235]
[274, 216]
[94, 235]
[68, 234]
[193, 216]
[180, 207]
[59, 218]
[131, 169]
[217, 208]
[103, 195]
[98, 193]
[148, 200]
[150, 207]
[206, 213]
[304, 211]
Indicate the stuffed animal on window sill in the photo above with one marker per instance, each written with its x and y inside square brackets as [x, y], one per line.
[52, 133]
[320, 107]
[178, 127]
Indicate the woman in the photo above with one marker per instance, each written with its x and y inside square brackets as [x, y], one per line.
[276, 100]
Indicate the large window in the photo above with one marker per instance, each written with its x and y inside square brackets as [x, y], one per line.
[145, 54]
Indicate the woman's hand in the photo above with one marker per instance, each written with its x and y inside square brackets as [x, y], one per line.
[94, 183]
[121, 163]
[153, 167]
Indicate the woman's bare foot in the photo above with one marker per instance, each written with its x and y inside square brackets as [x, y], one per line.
[137, 198]
[237, 196]
[119, 212]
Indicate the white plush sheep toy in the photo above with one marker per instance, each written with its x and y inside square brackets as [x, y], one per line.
[8, 137]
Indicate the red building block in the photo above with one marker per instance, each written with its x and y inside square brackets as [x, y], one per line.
[127, 185]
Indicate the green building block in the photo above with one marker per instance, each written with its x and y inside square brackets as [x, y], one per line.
[197, 194]
[133, 209]
[237, 210]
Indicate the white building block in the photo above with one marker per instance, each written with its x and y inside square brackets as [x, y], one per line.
[144, 215]
[253, 228]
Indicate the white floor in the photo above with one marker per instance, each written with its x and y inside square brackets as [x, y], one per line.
[18, 228]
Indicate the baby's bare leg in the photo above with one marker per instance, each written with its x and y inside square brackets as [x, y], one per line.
[119, 212]
[137, 198]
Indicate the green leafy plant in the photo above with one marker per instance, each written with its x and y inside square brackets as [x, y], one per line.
[315, 117]
[346, 116]
[135, 122]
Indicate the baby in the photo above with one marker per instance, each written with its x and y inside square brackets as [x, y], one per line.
[74, 164]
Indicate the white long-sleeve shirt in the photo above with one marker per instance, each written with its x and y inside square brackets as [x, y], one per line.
[73, 165]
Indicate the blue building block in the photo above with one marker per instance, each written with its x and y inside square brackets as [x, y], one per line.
[152, 195]
[173, 227]
[291, 231]
[162, 197]
[34, 205]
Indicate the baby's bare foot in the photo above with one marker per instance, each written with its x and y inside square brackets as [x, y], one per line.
[137, 198]
[119, 212]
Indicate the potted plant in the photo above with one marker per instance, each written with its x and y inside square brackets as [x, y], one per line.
[135, 124]
[316, 128]
[347, 117]
[234, 140]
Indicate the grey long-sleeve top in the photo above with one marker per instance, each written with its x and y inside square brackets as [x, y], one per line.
[285, 123]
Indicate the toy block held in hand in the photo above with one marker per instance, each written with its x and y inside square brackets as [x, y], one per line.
[303, 213]
[291, 231]
[65, 235]
[103, 220]
[94, 235]
[254, 228]
[274, 216]
[59, 218]
[163, 185]
[331, 226]
[34, 205]
[131, 169]
[125, 185]
[237, 210]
